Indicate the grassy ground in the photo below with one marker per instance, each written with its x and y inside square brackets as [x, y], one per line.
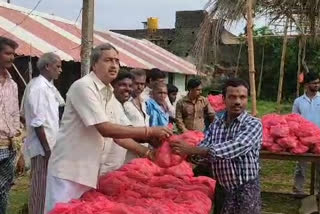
[276, 176]
[267, 107]
[19, 196]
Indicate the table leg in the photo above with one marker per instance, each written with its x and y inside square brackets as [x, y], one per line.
[313, 178]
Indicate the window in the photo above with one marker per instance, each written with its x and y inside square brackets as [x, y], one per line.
[171, 78]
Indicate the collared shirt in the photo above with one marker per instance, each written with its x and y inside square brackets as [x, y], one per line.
[77, 153]
[145, 95]
[191, 115]
[234, 149]
[113, 155]
[138, 118]
[41, 108]
[9, 113]
[158, 116]
[308, 108]
[9, 108]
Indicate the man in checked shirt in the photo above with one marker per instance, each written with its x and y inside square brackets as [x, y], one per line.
[9, 120]
[232, 145]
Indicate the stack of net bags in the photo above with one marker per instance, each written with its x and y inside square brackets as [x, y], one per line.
[216, 102]
[290, 133]
[165, 186]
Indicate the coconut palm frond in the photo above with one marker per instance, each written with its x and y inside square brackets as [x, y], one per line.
[305, 14]
[204, 38]
[229, 10]
[218, 13]
[207, 40]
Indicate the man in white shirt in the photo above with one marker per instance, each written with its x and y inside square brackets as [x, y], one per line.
[172, 95]
[75, 161]
[135, 108]
[132, 108]
[41, 110]
[308, 106]
[113, 156]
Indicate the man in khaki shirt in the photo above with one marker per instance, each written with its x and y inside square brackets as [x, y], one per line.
[193, 109]
[74, 164]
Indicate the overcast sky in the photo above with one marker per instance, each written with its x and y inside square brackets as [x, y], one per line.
[122, 14]
[118, 14]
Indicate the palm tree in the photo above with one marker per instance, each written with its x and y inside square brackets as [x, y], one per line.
[227, 10]
[304, 14]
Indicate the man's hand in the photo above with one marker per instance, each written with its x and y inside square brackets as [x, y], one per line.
[47, 153]
[21, 165]
[148, 153]
[160, 132]
[155, 143]
[152, 155]
[182, 148]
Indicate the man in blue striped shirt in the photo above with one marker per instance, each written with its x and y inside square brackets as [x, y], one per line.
[232, 145]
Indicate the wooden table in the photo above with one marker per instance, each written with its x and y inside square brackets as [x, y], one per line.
[313, 158]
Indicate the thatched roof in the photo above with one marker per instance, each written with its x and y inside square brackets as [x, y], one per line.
[305, 12]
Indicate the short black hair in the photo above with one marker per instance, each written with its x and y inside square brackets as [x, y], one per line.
[193, 83]
[172, 89]
[310, 76]
[9, 42]
[234, 82]
[123, 75]
[155, 74]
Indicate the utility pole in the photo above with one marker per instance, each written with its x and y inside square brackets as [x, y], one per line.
[252, 70]
[87, 35]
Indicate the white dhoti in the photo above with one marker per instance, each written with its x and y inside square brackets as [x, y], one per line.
[62, 191]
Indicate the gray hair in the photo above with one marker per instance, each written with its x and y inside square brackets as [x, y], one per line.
[137, 72]
[47, 59]
[97, 52]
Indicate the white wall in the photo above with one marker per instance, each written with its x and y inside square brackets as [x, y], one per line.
[180, 81]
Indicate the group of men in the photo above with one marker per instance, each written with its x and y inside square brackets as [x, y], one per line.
[111, 117]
